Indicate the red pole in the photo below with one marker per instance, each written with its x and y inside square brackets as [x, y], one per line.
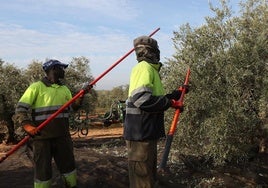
[173, 127]
[177, 112]
[80, 93]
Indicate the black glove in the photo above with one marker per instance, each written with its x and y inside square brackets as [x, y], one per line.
[176, 94]
[177, 105]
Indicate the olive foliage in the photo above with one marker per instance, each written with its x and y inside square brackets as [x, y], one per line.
[226, 109]
[12, 84]
[77, 75]
[107, 97]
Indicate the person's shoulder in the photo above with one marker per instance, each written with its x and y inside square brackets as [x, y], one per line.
[143, 64]
[36, 83]
[65, 86]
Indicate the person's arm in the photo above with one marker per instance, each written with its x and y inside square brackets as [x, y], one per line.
[142, 98]
[22, 116]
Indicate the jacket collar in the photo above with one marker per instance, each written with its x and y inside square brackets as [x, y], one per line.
[46, 81]
[156, 66]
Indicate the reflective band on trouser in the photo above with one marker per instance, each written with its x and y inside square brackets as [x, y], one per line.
[42, 184]
[70, 178]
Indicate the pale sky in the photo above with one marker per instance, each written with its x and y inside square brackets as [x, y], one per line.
[101, 30]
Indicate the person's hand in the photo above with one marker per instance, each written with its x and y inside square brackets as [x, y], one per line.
[177, 105]
[31, 130]
[176, 94]
[86, 87]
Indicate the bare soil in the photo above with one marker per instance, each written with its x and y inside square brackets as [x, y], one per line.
[102, 162]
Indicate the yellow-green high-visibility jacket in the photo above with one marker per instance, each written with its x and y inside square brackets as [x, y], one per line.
[146, 104]
[43, 99]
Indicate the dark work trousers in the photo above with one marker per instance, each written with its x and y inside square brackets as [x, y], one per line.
[142, 163]
[61, 149]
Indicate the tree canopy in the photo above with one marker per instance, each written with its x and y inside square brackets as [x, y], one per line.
[226, 108]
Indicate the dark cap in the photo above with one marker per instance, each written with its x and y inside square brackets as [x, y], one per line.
[52, 62]
[145, 40]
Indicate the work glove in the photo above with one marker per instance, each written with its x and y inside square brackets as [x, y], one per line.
[176, 94]
[31, 130]
[177, 105]
[86, 87]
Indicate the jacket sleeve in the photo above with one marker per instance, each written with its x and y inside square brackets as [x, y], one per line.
[23, 108]
[22, 115]
[142, 98]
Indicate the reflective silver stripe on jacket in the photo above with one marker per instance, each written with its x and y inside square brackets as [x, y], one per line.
[22, 107]
[146, 96]
[133, 110]
[47, 108]
[45, 116]
[49, 111]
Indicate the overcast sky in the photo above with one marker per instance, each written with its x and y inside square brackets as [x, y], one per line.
[101, 30]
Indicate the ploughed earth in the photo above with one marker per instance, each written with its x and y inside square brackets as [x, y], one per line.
[101, 162]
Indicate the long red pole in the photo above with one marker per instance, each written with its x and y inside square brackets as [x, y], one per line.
[79, 94]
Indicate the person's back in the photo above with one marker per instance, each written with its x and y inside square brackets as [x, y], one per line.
[144, 120]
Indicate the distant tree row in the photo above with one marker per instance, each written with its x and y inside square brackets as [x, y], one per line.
[107, 97]
[226, 110]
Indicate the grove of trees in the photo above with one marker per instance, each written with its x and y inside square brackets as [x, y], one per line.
[106, 97]
[226, 110]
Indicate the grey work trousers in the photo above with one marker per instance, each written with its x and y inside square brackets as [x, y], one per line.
[142, 163]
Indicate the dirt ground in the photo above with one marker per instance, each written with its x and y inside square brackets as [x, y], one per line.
[102, 163]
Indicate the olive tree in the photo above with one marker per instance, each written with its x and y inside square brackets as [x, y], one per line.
[107, 97]
[78, 74]
[12, 84]
[34, 71]
[227, 104]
